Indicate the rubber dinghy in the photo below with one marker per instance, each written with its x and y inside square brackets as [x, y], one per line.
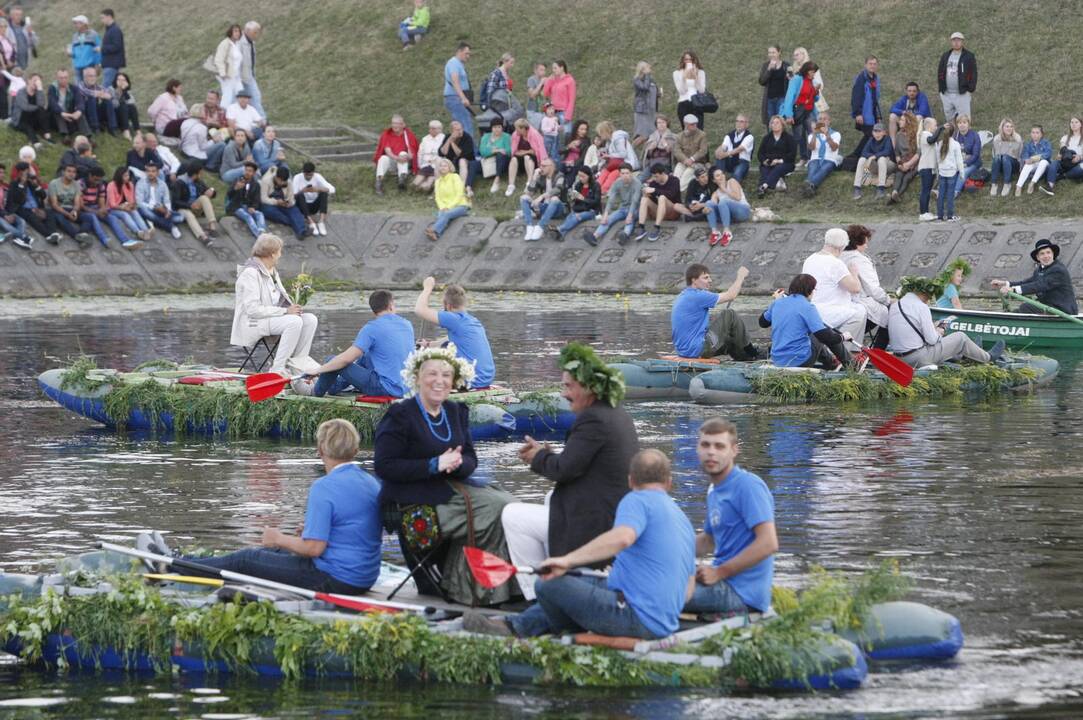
[186, 626]
[200, 400]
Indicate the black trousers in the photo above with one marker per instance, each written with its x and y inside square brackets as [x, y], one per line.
[683, 108]
[314, 208]
[33, 122]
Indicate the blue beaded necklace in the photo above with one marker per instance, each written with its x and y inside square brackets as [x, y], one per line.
[433, 427]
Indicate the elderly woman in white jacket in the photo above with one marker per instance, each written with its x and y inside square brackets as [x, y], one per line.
[263, 307]
[872, 295]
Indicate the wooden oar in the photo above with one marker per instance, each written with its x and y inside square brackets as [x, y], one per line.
[266, 385]
[889, 365]
[190, 579]
[490, 571]
[1042, 306]
[343, 601]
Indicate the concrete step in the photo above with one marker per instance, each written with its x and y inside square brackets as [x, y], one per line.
[309, 133]
[343, 149]
[345, 157]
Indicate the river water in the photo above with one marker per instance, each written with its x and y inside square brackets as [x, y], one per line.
[980, 501]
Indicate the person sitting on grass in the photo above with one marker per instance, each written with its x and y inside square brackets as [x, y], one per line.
[192, 197]
[427, 152]
[138, 157]
[278, 204]
[414, 26]
[727, 205]
[547, 202]
[397, 147]
[734, 155]
[66, 207]
[311, 190]
[242, 115]
[26, 199]
[496, 144]
[952, 277]
[66, 108]
[450, 196]
[621, 204]
[776, 154]
[906, 155]
[1050, 283]
[338, 549]
[661, 197]
[879, 153]
[268, 151]
[153, 198]
[970, 144]
[695, 333]
[917, 340]
[458, 147]
[699, 191]
[799, 336]
[463, 329]
[30, 111]
[824, 153]
[1069, 162]
[1037, 154]
[913, 101]
[244, 199]
[1006, 148]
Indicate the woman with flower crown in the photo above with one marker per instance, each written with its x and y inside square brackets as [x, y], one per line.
[425, 457]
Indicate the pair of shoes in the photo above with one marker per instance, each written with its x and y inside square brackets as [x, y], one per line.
[654, 234]
[589, 238]
[510, 191]
[640, 233]
[725, 239]
[926, 217]
[533, 232]
[894, 198]
[431, 234]
[1047, 188]
[857, 193]
[175, 232]
[714, 238]
[53, 238]
[321, 227]
[84, 240]
[131, 244]
[207, 242]
[997, 351]
[24, 242]
[212, 231]
[477, 622]
[623, 237]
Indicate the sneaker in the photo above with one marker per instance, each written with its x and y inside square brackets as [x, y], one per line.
[993, 190]
[714, 237]
[880, 193]
[893, 198]
[533, 232]
[1030, 188]
[477, 622]
[53, 239]
[589, 239]
[857, 193]
[953, 218]
[212, 231]
[926, 217]
[130, 244]
[175, 232]
[322, 228]
[496, 186]
[380, 186]
[780, 185]
[623, 237]
[800, 165]
[761, 191]
[145, 543]
[640, 233]
[1047, 188]
[1006, 191]
[654, 234]
[510, 191]
[402, 183]
[725, 239]
[1018, 190]
[997, 351]
[25, 243]
[207, 242]
[84, 240]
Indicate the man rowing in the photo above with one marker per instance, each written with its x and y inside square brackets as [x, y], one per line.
[1050, 283]
[695, 333]
[463, 329]
[652, 577]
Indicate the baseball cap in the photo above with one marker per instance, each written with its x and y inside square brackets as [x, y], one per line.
[691, 119]
[957, 36]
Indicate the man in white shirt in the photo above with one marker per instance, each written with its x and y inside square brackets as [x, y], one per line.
[242, 115]
[917, 341]
[312, 191]
[824, 155]
[172, 162]
[836, 287]
[734, 155]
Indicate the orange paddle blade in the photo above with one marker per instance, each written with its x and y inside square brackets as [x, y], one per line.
[354, 604]
[489, 570]
[264, 385]
[893, 367]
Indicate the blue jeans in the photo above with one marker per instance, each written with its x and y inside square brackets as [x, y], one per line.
[214, 156]
[574, 219]
[257, 224]
[568, 603]
[614, 219]
[945, 201]
[69, 227]
[109, 75]
[967, 172]
[552, 146]
[359, 375]
[818, 170]
[927, 177]
[285, 216]
[770, 176]
[717, 598]
[774, 105]
[407, 33]
[473, 169]
[727, 212]
[735, 167]
[279, 566]
[165, 223]
[1075, 173]
[549, 210]
[459, 112]
[17, 227]
[256, 100]
[94, 108]
[131, 219]
[444, 218]
[1004, 168]
[232, 175]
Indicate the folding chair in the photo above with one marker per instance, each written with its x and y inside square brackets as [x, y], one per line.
[271, 348]
[424, 557]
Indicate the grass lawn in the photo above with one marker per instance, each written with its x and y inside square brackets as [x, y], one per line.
[338, 61]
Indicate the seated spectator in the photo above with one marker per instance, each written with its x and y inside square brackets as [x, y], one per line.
[192, 197]
[126, 109]
[622, 204]
[1037, 152]
[30, 111]
[26, 199]
[140, 156]
[824, 153]
[213, 115]
[575, 148]
[691, 149]
[414, 26]
[697, 194]
[545, 204]
[971, 145]
[11, 225]
[727, 205]
[659, 146]
[906, 155]
[450, 197]
[66, 206]
[458, 148]
[496, 153]
[584, 200]
[776, 156]
[152, 198]
[241, 115]
[397, 146]
[661, 196]
[592, 158]
[268, 151]
[66, 108]
[120, 197]
[234, 156]
[879, 153]
[244, 199]
[427, 153]
[28, 155]
[95, 211]
[1006, 148]
[618, 151]
[734, 155]
[1068, 161]
[527, 150]
[85, 160]
[311, 191]
[171, 164]
[97, 103]
[168, 110]
[912, 101]
[278, 204]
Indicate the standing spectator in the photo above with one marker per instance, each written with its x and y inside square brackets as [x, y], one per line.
[957, 78]
[546, 204]
[152, 198]
[535, 95]
[906, 155]
[561, 91]
[414, 26]
[243, 200]
[66, 206]
[235, 155]
[971, 145]
[458, 148]
[457, 93]
[1037, 154]
[125, 106]
[865, 102]
[880, 153]
[645, 106]
[451, 201]
[168, 111]
[397, 146]
[1068, 163]
[622, 203]
[618, 151]
[113, 59]
[550, 130]
[30, 111]
[799, 105]
[66, 108]
[734, 155]
[661, 196]
[25, 199]
[22, 36]
[689, 79]
[527, 151]
[242, 115]
[7, 63]
[227, 64]
[1007, 145]
[278, 204]
[912, 101]
[312, 192]
[498, 79]
[191, 197]
[950, 165]
[928, 154]
[727, 205]
[584, 200]
[690, 150]
[427, 153]
[773, 79]
[120, 198]
[268, 151]
[776, 155]
[97, 103]
[824, 153]
[252, 31]
[496, 145]
[800, 57]
[85, 47]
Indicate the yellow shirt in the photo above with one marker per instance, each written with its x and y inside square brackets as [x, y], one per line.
[450, 191]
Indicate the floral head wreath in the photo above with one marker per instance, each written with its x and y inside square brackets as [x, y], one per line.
[933, 287]
[462, 368]
[956, 264]
[583, 364]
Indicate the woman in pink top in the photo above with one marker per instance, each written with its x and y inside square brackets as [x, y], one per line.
[120, 196]
[560, 89]
[168, 110]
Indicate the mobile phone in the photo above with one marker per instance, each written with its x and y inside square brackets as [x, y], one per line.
[947, 321]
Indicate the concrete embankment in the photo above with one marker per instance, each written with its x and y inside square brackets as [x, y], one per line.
[391, 251]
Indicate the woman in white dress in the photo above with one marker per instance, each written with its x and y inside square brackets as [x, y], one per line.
[872, 295]
[227, 64]
[689, 79]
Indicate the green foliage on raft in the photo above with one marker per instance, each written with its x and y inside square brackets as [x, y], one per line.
[77, 376]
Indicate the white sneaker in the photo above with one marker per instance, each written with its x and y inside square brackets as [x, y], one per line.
[510, 191]
[1007, 190]
[993, 190]
[175, 232]
[926, 217]
[496, 186]
[303, 386]
[302, 364]
[321, 228]
[780, 185]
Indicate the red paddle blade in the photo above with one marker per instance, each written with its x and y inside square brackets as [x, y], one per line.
[489, 570]
[264, 385]
[891, 366]
[354, 604]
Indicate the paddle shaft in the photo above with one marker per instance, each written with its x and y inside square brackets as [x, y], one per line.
[1042, 306]
[574, 572]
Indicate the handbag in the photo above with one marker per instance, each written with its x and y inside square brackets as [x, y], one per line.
[488, 166]
[209, 65]
[704, 102]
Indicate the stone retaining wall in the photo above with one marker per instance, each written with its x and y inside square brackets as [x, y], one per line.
[391, 251]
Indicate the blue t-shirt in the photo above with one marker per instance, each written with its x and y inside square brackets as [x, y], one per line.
[387, 340]
[950, 291]
[344, 511]
[689, 318]
[454, 66]
[792, 318]
[735, 506]
[468, 334]
[653, 572]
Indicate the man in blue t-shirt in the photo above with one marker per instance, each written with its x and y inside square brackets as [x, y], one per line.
[651, 579]
[373, 363]
[463, 329]
[695, 333]
[457, 92]
[739, 529]
[799, 336]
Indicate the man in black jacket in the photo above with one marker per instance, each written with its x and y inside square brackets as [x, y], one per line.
[113, 60]
[243, 200]
[957, 77]
[1050, 282]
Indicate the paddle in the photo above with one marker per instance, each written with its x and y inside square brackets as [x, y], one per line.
[266, 385]
[490, 571]
[342, 601]
[1042, 306]
[189, 579]
[890, 365]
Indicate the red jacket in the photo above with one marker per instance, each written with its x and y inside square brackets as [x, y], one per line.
[397, 143]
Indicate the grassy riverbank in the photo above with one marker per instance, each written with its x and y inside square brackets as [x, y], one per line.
[338, 62]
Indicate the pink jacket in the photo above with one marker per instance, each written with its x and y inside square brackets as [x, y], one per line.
[561, 92]
[165, 109]
[115, 198]
[537, 143]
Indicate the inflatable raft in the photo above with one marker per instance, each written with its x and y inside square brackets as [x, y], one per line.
[200, 400]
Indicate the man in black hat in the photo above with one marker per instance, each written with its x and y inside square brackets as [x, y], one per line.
[1050, 283]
